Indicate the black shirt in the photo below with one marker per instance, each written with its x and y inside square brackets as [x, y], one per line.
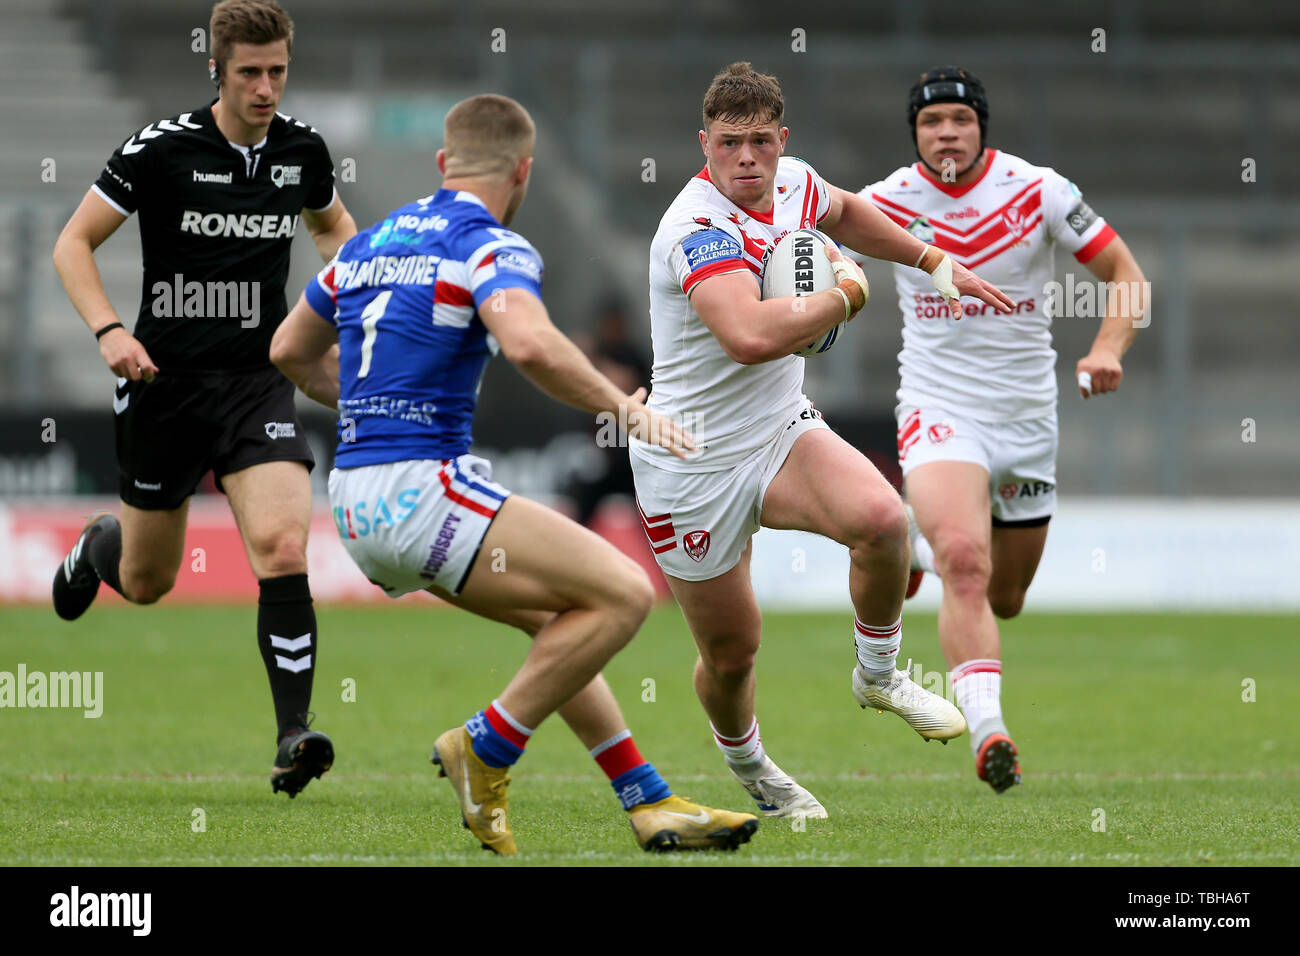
[216, 229]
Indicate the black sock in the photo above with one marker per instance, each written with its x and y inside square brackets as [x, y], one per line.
[286, 636]
[106, 554]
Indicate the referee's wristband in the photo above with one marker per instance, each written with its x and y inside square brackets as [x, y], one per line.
[99, 334]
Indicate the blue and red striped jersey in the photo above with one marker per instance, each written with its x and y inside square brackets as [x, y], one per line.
[404, 295]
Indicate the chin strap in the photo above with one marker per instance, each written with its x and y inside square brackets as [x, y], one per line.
[938, 174]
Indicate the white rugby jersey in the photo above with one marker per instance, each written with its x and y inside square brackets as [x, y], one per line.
[1004, 227]
[731, 409]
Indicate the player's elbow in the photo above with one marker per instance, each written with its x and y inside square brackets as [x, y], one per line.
[746, 350]
[526, 351]
[283, 355]
[66, 248]
[279, 351]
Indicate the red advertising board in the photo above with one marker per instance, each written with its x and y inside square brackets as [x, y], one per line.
[36, 534]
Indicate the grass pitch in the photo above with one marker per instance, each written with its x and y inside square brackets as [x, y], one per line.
[1134, 722]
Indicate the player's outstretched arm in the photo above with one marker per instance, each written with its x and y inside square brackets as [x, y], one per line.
[1126, 312]
[306, 349]
[74, 261]
[519, 321]
[330, 227]
[859, 225]
[753, 330]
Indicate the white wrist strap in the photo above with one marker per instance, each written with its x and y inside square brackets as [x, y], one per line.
[848, 306]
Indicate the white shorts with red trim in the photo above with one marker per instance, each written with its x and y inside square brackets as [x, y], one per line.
[699, 523]
[1020, 457]
[410, 524]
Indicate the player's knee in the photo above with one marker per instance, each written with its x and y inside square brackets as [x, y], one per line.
[729, 663]
[1007, 604]
[641, 595]
[633, 596]
[279, 554]
[530, 622]
[146, 587]
[964, 564]
[878, 523]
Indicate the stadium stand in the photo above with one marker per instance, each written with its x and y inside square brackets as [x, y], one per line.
[1156, 139]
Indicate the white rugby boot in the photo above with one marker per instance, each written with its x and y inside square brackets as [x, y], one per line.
[776, 792]
[930, 715]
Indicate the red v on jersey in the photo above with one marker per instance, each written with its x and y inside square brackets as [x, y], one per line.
[1015, 218]
[807, 214]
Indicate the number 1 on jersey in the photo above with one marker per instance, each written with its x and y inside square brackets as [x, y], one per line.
[370, 317]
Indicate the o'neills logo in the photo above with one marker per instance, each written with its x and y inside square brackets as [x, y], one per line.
[970, 212]
[803, 265]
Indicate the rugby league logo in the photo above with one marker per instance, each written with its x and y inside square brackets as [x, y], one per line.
[279, 429]
[286, 176]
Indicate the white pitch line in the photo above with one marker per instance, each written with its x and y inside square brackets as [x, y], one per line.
[545, 777]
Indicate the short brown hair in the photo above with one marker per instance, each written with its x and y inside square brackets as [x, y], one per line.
[486, 135]
[742, 93]
[247, 21]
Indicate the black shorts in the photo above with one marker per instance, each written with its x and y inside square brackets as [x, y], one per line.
[172, 430]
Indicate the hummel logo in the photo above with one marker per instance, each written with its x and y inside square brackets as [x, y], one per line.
[149, 132]
[291, 664]
[701, 818]
[291, 644]
[121, 397]
[470, 805]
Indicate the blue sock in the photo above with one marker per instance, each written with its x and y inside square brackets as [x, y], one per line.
[640, 785]
[492, 748]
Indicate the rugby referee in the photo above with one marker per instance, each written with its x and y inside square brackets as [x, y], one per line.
[218, 191]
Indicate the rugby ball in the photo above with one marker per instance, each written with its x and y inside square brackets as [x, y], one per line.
[797, 266]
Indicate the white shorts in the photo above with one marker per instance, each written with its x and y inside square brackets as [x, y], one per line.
[1020, 457]
[699, 523]
[410, 524]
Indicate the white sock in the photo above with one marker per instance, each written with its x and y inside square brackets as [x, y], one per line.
[977, 685]
[923, 554]
[743, 752]
[878, 646]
